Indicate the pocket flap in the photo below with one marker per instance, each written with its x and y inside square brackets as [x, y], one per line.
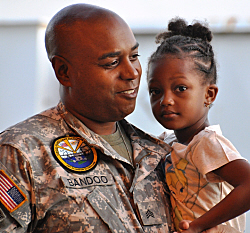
[106, 210]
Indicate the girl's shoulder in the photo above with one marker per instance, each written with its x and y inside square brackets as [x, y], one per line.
[214, 128]
[168, 137]
[209, 132]
[211, 140]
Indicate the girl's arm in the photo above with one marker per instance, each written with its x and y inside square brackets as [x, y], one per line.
[236, 173]
[184, 224]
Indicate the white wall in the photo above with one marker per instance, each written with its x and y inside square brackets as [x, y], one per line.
[16, 72]
[26, 79]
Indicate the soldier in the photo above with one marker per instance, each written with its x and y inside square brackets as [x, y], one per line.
[80, 167]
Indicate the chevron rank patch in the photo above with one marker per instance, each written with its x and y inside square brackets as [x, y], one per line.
[11, 196]
[150, 213]
[74, 154]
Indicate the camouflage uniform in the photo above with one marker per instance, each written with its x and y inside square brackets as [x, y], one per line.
[111, 197]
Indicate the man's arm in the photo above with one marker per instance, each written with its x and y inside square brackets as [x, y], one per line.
[14, 216]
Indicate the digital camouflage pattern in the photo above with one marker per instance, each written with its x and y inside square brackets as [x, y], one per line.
[112, 197]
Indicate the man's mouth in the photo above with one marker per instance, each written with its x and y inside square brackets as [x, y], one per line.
[128, 91]
[131, 93]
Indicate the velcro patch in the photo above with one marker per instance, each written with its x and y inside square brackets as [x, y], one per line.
[74, 153]
[150, 213]
[11, 196]
[86, 181]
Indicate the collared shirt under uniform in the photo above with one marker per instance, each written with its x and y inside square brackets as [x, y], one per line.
[113, 196]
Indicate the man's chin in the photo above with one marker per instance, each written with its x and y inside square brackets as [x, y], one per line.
[126, 112]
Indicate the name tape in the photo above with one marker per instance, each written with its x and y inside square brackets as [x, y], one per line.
[87, 181]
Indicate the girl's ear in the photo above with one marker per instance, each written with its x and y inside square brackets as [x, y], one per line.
[60, 66]
[211, 94]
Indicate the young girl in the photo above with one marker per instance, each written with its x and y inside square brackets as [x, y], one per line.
[208, 179]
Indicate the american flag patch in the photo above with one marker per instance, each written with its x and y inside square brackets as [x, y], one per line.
[11, 195]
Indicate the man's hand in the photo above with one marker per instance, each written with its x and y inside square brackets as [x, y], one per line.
[184, 225]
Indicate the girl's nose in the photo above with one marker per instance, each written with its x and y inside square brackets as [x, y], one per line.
[167, 100]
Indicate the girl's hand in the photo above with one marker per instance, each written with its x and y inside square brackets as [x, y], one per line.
[184, 225]
[222, 229]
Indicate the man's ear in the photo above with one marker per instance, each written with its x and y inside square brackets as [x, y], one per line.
[60, 66]
[212, 91]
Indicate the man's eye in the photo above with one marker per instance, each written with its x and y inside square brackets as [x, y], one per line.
[111, 64]
[181, 88]
[134, 56]
[114, 63]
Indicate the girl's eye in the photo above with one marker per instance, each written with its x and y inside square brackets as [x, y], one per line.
[181, 88]
[154, 92]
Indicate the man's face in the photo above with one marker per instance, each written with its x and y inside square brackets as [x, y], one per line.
[104, 71]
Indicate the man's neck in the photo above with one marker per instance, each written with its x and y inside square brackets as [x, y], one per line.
[101, 128]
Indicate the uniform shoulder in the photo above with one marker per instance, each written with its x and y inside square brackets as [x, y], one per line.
[145, 139]
[37, 126]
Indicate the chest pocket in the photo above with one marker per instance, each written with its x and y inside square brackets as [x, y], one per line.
[69, 209]
[108, 210]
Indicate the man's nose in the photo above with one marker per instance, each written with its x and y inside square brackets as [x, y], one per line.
[131, 70]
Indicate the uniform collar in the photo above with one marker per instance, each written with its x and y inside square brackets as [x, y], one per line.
[140, 140]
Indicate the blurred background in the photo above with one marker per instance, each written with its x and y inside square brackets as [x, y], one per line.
[28, 84]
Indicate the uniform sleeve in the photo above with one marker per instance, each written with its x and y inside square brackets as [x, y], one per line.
[211, 152]
[15, 191]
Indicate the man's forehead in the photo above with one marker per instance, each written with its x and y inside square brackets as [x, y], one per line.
[93, 26]
[100, 37]
[82, 27]
[106, 30]
[116, 53]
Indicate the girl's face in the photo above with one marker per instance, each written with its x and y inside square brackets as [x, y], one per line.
[177, 94]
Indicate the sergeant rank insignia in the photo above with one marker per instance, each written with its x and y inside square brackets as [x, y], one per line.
[73, 153]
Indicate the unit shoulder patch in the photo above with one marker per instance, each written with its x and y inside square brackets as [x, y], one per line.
[74, 153]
